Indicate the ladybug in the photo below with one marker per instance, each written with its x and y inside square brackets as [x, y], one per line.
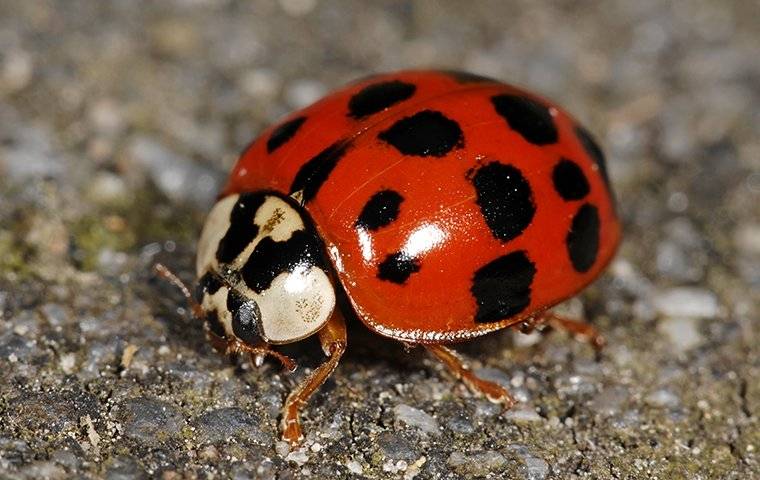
[433, 206]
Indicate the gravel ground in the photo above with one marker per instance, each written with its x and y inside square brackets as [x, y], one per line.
[118, 121]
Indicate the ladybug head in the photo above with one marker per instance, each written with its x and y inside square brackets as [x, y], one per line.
[263, 275]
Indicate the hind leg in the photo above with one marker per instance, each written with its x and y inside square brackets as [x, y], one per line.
[581, 330]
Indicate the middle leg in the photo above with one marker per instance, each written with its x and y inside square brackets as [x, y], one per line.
[491, 390]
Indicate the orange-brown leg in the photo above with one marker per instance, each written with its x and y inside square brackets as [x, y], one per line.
[581, 330]
[492, 391]
[257, 354]
[333, 339]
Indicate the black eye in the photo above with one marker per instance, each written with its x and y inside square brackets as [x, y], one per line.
[245, 317]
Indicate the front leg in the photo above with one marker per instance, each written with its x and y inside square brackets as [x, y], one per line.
[333, 339]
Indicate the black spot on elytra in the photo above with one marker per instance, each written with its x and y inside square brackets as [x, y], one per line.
[214, 323]
[505, 199]
[583, 238]
[245, 317]
[380, 210]
[569, 180]
[467, 77]
[271, 258]
[502, 287]
[376, 98]
[242, 230]
[425, 134]
[593, 151]
[397, 267]
[527, 117]
[283, 133]
[313, 174]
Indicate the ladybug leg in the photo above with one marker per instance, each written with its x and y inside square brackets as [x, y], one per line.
[333, 339]
[492, 391]
[581, 330]
[257, 354]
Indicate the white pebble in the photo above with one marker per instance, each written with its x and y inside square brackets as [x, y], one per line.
[416, 418]
[683, 333]
[523, 414]
[663, 398]
[67, 363]
[299, 457]
[686, 302]
[354, 467]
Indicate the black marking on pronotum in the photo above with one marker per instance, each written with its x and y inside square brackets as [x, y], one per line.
[245, 317]
[593, 151]
[502, 287]
[214, 323]
[467, 77]
[527, 117]
[270, 258]
[379, 96]
[505, 199]
[283, 133]
[208, 283]
[583, 238]
[428, 133]
[380, 210]
[242, 230]
[397, 267]
[314, 173]
[569, 180]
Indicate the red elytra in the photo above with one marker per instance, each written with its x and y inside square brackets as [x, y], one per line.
[451, 205]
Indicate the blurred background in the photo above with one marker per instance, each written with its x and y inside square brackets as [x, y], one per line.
[120, 119]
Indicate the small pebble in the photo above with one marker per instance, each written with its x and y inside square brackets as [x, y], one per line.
[682, 332]
[523, 414]
[354, 467]
[282, 448]
[663, 398]
[299, 457]
[416, 418]
[68, 362]
[476, 464]
[396, 447]
[686, 302]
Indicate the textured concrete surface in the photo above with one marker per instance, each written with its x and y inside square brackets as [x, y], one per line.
[117, 123]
